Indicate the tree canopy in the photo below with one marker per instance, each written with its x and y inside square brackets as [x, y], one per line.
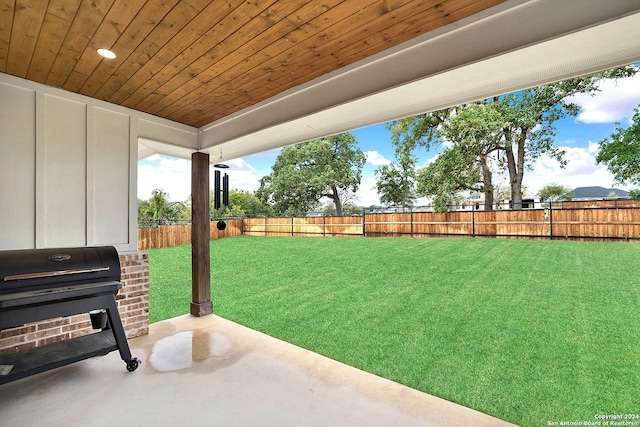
[305, 173]
[621, 153]
[454, 170]
[503, 134]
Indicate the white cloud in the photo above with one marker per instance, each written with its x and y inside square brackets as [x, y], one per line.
[593, 148]
[173, 176]
[169, 174]
[242, 176]
[428, 161]
[367, 194]
[376, 159]
[615, 101]
[447, 143]
[581, 171]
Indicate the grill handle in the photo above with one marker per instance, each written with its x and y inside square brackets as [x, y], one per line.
[53, 273]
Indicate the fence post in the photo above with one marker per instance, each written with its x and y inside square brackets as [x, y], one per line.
[473, 222]
[364, 234]
[265, 225]
[550, 221]
[411, 219]
[324, 225]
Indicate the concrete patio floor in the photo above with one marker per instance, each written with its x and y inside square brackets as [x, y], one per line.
[212, 372]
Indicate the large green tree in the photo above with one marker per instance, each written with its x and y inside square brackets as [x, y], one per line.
[305, 173]
[501, 134]
[621, 152]
[395, 182]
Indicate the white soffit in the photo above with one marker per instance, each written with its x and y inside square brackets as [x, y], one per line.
[148, 147]
[512, 46]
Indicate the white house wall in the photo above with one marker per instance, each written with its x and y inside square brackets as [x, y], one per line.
[61, 153]
[109, 157]
[68, 167]
[17, 184]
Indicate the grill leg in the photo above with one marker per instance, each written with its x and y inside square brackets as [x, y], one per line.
[118, 333]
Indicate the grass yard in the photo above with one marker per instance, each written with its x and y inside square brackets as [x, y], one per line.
[527, 331]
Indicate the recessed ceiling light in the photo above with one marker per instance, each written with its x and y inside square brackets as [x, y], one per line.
[106, 53]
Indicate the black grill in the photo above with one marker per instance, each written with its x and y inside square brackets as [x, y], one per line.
[42, 284]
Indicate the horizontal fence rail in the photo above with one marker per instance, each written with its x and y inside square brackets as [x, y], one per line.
[596, 222]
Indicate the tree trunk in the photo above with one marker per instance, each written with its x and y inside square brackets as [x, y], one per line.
[337, 201]
[516, 194]
[488, 183]
[515, 164]
[516, 177]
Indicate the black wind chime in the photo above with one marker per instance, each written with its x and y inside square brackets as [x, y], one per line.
[220, 190]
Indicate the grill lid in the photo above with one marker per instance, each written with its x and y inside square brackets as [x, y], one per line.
[31, 269]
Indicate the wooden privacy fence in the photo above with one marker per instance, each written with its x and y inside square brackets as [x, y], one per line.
[306, 226]
[164, 236]
[594, 223]
[607, 223]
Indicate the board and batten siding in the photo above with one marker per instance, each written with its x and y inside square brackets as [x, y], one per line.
[68, 167]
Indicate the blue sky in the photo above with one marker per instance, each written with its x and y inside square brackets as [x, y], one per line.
[578, 136]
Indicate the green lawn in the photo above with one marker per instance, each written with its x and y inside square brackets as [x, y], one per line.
[527, 331]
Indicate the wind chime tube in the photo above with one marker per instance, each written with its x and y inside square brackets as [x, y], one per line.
[216, 190]
[225, 190]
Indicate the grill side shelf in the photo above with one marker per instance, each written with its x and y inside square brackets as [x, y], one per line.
[40, 359]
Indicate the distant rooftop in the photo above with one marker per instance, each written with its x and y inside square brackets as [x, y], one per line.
[597, 192]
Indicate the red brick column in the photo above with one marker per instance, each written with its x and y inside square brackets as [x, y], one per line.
[133, 298]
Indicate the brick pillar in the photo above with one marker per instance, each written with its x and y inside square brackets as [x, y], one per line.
[133, 298]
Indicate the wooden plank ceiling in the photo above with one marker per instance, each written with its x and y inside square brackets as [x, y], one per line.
[196, 61]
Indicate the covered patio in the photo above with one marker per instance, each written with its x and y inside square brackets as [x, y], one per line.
[210, 371]
[213, 83]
